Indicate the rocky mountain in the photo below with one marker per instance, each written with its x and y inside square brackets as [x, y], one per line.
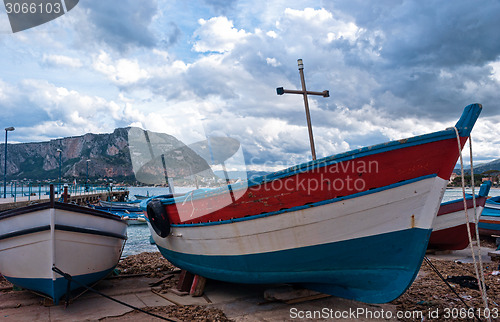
[109, 156]
[493, 165]
[483, 168]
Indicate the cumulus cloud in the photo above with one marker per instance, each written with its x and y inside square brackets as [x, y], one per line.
[122, 71]
[217, 34]
[62, 61]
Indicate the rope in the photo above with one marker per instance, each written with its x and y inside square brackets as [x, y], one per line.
[428, 261]
[480, 277]
[476, 219]
[69, 278]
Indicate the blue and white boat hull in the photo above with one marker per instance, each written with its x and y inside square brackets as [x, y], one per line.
[367, 246]
[80, 241]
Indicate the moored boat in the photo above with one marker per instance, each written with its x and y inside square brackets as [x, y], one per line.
[129, 205]
[489, 222]
[133, 216]
[354, 225]
[82, 242]
[449, 230]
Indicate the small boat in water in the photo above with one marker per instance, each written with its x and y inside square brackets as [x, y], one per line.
[82, 242]
[133, 216]
[449, 230]
[131, 205]
[354, 225]
[489, 223]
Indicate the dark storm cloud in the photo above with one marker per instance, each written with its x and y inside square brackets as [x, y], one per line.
[429, 52]
[121, 24]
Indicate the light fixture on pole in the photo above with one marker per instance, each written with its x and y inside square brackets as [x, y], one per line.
[7, 129]
[304, 92]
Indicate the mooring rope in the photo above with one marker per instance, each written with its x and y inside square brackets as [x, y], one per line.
[70, 279]
[476, 220]
[479, 276]
[434, 268]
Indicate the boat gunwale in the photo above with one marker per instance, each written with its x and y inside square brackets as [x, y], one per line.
[61, 206]
[57, 227]
[317, 164]
[494, 200]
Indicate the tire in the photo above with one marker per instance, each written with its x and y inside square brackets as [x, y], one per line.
[158, 218]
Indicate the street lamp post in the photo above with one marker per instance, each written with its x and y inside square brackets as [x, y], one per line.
[87, 181]
[60, 165]
[7, 129]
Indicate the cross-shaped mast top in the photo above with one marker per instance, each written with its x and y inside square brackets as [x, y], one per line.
[304, 92]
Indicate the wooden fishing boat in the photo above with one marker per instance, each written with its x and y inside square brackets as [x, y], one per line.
[80, 241]
[489, 222]
[449, 230]
[354, 225]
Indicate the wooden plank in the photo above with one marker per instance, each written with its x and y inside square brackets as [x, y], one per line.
[185, 281]
[198, 286]
[167, 276]
[291, 295]
[307, 298]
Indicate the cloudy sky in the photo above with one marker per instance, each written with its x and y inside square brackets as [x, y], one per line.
[194, 69]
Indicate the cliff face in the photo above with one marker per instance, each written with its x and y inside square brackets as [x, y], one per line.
[109, 156]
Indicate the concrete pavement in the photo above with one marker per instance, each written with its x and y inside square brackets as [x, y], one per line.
[239, 302]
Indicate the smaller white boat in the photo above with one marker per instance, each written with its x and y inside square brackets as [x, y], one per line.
[82, 242]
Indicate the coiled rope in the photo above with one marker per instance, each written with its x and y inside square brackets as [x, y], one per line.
[479, 272]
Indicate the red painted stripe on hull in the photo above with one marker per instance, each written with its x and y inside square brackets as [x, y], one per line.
[459, 205]
[496, 222]
[333, 181]
[453, 238]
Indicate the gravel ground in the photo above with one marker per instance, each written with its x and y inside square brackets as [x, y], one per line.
[156, 266]
[427, 294]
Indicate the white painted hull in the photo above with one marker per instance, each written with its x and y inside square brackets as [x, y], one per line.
[409, 206]
[82, 245]
[455, 219]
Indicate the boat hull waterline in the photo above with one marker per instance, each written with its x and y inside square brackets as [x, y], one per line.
[366, 244]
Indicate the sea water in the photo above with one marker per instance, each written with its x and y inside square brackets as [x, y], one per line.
[139, 235]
